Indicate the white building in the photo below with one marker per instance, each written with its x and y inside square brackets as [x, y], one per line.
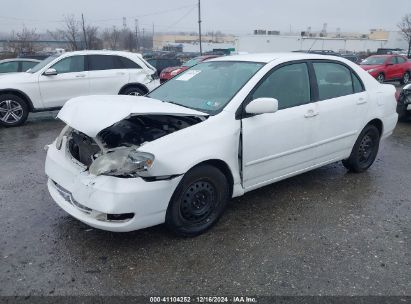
[278, 43]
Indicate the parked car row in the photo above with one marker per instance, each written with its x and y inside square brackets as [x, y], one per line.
[52, 82]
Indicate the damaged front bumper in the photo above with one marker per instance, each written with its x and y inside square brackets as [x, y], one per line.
[106, 202]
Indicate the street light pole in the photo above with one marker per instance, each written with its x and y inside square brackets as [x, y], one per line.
[199, 26]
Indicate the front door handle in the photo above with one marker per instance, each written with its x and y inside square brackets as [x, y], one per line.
[311, 113]
[361, 100]
[121, 73]
[80, 76]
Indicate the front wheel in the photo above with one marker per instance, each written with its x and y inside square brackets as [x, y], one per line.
[13, 110]
[365, 150]
[198, 201]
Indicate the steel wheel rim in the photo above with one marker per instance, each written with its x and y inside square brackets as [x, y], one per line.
[134, 94]
[380, 78]
[10, 111]
[198, 201]
[366, 149]
[406, 78]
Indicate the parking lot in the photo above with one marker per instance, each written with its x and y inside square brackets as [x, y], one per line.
[326, 232]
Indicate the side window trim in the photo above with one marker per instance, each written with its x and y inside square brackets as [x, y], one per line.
[240, 113]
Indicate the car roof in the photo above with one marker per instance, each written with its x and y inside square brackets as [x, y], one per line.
[19, 59]
[268, 57]
[102, 52]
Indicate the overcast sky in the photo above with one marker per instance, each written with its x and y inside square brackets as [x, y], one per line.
[231, 16]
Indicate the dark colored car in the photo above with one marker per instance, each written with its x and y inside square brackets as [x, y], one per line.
[388, 67]
[170, 72]
[351, 57]
[404, 103]
[17, 65]
[163, 63]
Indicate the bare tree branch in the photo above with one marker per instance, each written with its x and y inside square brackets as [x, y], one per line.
[405, 28]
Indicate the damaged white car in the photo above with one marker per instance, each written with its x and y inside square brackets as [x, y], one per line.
[218, 130]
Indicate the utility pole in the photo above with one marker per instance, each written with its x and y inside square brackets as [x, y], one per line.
[199, 26]
[84, 31]
[137, 38]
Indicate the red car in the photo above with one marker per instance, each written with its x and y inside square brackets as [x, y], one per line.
[388, 67]
[170, 72]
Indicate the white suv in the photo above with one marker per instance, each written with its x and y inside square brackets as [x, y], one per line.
[60, 77]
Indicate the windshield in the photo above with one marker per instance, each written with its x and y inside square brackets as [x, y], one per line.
[207, 87]
[192, 62]
[42, 64]
[374, 61]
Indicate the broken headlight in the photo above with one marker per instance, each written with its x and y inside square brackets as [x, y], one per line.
[122, 162]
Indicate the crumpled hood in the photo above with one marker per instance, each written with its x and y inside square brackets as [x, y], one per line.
[91, 114]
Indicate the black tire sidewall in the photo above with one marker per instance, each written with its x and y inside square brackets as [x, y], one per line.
[129, 90]
[353, 163]
[23, 105]
[174, 219]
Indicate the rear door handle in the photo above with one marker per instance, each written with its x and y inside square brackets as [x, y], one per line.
[80, 75]
[361, 100]
[311, 113]
[121, 73]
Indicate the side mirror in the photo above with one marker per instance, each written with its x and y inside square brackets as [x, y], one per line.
[50, 72]
[262, 105]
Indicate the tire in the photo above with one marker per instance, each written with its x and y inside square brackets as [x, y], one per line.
[134, 91]
[198, 202]
[13, 110]
[381, 78]
[365, 150]
[406, 78]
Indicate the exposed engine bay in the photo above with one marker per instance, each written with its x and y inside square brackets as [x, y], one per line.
[133, 131]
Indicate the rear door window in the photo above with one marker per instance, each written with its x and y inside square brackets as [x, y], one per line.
[334, 80]
[104, 62]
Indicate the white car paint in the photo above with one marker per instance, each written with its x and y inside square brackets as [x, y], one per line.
[274, 145]
[44, 92]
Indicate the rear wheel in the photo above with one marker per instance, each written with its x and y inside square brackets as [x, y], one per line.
[198, 201]
[381, 78]
[365, 150]
[406, 78]
[13, 110]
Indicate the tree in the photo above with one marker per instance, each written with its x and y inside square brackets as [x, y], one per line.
[112, 37]
[92, 40]
[405, 28]
[70, 33]
[23, 41]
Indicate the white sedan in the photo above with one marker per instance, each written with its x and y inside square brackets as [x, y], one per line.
[220, 129]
